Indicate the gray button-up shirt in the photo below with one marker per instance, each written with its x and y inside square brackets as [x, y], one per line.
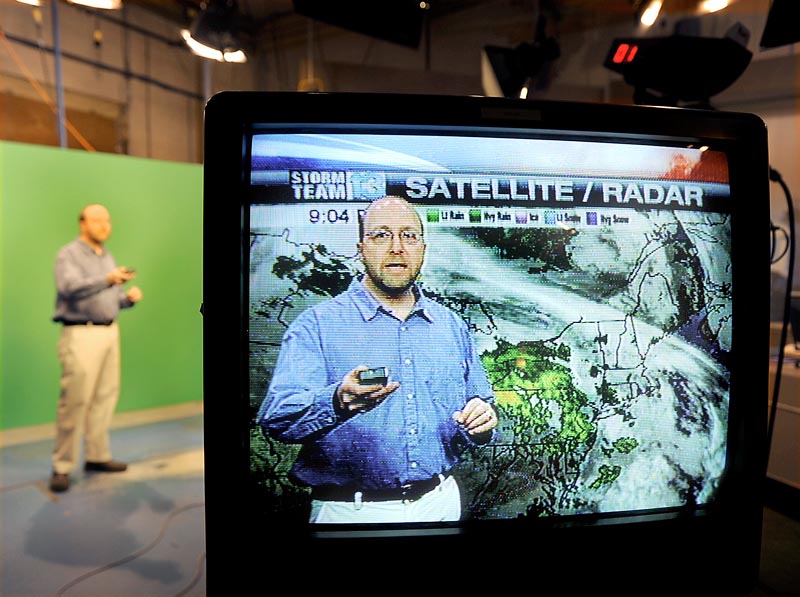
[82, 291]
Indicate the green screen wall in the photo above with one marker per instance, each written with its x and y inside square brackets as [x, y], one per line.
[156, 212]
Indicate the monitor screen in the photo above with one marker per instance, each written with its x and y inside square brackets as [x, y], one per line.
[553, 299]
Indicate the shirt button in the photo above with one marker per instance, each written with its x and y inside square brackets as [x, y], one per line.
[413, 465]
[410, 396]
[412, 431]
[407, 361]
[403, 329]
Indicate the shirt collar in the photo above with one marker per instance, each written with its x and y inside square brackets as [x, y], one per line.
[369, 307]
[85, 246]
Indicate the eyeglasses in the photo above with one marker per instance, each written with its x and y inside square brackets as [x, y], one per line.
[384, 237]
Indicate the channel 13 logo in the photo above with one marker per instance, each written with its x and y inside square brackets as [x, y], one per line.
[367, 186]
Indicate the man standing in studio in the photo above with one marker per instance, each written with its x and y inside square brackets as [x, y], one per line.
[89, 295]
[380, 449]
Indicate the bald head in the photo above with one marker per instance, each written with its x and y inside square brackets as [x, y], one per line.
[93, 210]
[384, 206]
[95, 225]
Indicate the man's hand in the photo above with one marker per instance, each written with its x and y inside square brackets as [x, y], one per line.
[134, 294]
[477, 418]
[353, 397]
[120, 275]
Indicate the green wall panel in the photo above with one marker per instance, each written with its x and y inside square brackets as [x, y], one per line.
[156, 211]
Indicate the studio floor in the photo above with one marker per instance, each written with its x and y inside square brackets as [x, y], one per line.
[779, 574]
[141, 533]
[138, 533]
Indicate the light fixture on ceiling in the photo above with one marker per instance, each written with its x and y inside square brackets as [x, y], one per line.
[523, 70]
[707, 6]
[214, 33]
[680, 68]
[101, 4]
[650, 13]
[30, 2]
[649, 10]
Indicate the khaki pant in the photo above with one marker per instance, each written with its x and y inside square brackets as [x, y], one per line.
[442, 504]
[90, 380]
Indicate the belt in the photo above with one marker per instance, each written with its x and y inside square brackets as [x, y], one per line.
[105, 323]
[345, 493]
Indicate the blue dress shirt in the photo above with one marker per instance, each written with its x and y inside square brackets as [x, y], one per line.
[410, 435]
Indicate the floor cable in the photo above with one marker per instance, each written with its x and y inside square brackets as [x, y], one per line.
[141, 552]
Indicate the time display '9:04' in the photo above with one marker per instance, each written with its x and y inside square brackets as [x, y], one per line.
[330, 216]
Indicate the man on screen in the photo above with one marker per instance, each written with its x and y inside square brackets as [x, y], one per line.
[380, 450]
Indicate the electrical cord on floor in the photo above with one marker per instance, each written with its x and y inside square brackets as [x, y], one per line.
[197, 575]
[775, 176]
[141, 552]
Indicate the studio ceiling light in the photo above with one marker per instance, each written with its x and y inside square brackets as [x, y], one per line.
[102, 4]
[707, 6]
[214, 33]
[680, 68]
[519, 71]
[650, 13]
[30, 2]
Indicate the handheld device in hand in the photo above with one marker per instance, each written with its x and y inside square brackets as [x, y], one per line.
[375, 376]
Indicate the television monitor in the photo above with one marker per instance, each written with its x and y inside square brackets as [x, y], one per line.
[601, 262]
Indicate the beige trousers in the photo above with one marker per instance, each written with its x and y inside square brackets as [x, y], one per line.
[90, 380]
[442, 504]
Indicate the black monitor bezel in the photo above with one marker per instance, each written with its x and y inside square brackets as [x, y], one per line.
[733, 525]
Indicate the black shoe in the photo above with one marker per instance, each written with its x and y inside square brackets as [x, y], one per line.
[106, 467]
[59, 482]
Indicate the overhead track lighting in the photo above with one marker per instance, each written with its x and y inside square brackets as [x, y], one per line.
[101, 4]
[214, 33]
[650, 13]
[680, 68]
[519, 71]
[707, 6]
